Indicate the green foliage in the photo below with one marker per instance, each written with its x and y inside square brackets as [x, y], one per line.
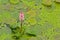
[5, 32]
[47, 2]
[58, 1]
[14, 1]
[42, 20]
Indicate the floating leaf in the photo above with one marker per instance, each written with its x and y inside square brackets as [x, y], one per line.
[14, 1]
[58, 1]
[32, 21]
[47, 2]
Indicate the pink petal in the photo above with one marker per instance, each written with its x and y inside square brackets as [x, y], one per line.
[21, 16]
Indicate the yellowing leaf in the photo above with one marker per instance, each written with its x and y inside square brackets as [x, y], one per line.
[32, 21]
[47, 2]
[57, 1]
[14, 1]
[32, 13]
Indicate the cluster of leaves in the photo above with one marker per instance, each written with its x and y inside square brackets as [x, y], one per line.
[42, 19]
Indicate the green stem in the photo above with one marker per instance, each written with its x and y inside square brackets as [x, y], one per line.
[21, 29]
[21, 26]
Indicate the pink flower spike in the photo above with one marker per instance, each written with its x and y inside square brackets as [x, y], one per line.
[21, 16]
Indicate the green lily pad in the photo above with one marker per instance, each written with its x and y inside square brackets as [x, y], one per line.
[14, 1]
[5, 32]
[47, 2]
[32, 21]
[35, 30]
